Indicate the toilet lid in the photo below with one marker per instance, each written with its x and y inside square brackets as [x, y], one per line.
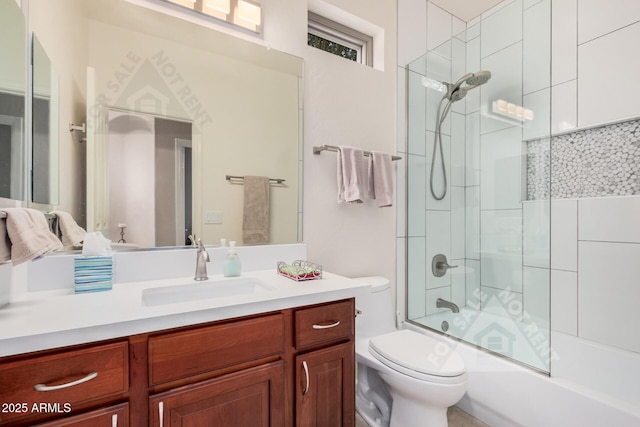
[417, 352]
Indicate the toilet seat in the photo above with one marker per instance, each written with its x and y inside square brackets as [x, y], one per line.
[418, 356]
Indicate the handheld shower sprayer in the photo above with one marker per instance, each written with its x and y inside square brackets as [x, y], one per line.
[455, 92]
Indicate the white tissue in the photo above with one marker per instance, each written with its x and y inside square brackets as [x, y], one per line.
[95, 244]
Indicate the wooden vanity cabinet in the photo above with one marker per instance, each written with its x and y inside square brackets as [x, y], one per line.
[234, 373]
[252, 397]
[325, 365]
[49, 385]
[113, 416]
[293, 367]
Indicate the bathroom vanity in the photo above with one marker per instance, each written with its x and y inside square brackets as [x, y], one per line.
[282, 357]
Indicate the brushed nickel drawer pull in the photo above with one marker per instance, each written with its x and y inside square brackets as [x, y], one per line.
[332, 325]
[306, 376]
[44, 387]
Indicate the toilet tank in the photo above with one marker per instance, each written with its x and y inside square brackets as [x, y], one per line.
[377, 315]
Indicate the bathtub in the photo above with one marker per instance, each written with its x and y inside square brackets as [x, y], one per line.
[500, 331]
[589, 385]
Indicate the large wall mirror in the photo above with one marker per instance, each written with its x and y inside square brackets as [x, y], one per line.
[170, 104]
[12, 101]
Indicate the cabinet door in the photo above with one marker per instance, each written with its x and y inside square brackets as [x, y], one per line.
[325, 387]
[114, 416]
[250, 398]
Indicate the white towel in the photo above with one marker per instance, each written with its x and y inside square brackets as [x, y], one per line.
[381, 178]
[351, 175]
[255, 221]
[72, 233]
[30, 236]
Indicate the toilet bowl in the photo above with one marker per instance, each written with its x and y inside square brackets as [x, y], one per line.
[404, 379]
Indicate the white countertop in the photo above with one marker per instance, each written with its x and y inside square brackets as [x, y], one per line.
[51, 319]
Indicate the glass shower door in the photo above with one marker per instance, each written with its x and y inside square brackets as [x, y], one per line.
[478, 208]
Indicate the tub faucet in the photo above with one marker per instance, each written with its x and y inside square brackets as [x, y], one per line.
[441, 303]
[201, 262]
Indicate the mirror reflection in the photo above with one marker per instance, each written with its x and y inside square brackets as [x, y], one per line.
[239, 99]
[146, 152]
[12, 100]
[45, 128]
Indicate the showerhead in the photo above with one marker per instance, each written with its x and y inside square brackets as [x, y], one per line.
[479, 78]
[455, 92]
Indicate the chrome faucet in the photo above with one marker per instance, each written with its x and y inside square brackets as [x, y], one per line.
[201, 261]
[441, 303]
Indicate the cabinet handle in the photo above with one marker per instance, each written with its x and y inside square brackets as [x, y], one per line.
[161, 413]
[44, 387]
[306, 376]
[331, 325]
[114, 420]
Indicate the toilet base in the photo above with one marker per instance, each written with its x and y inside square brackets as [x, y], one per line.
[418, 403]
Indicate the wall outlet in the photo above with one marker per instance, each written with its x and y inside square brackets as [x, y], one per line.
[214, 217]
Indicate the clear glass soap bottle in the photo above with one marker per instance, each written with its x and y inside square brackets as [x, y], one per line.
[232, 265]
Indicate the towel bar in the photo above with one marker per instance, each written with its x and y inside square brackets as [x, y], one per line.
[320, 148]
[276, 180]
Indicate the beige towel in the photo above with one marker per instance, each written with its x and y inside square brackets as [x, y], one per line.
[30, 236]
[381, 178]
[351, 175]
[255, 222]
[5, 243]
[72, 233]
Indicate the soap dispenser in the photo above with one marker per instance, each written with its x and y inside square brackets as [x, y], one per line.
[232, 261]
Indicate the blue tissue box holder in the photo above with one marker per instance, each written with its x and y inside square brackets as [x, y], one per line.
[93, 273]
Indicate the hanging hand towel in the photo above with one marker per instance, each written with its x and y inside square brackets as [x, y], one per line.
[5, 243]
[72, 233]
[255, 222]
[351, 175]
[30, 236]
[381, 178]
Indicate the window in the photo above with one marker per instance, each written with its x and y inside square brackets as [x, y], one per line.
[338, 39]
[243, 13]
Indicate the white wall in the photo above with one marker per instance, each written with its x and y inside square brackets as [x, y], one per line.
[344, 104]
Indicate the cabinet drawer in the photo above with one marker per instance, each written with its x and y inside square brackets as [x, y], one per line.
[64, 380]
[113, 416]
[188, 353]
[325, 323]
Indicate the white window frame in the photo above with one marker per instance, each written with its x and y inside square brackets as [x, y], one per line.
[330, 30]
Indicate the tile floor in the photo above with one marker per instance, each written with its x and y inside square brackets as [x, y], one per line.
[457, 418]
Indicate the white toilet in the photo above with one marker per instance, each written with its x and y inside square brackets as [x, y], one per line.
[405, 379]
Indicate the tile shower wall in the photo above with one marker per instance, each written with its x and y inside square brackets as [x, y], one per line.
[484, 156]
[433, 226]
[512, 235]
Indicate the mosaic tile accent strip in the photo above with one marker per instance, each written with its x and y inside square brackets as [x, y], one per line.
[596, 162]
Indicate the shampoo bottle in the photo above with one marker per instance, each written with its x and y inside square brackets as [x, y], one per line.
[232, 261]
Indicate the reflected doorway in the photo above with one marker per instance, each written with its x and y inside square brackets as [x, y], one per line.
[149, 180]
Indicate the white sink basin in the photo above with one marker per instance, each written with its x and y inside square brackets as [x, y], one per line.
[193, 291]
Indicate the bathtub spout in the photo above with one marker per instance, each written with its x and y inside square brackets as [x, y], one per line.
[440, 303]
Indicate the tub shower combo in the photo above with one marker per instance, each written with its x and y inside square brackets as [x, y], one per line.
[478, 246]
